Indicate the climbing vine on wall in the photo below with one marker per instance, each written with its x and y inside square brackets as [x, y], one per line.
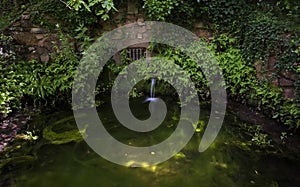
[159, 10]
[99, 7]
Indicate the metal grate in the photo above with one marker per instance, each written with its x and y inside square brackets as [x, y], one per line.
[136, 53]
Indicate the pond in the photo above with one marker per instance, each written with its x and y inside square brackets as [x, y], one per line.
[59, 157]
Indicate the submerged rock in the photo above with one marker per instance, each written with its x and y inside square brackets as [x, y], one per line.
[16, 162]
[55, 137]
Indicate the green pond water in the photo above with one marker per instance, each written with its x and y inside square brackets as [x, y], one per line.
[60, 158]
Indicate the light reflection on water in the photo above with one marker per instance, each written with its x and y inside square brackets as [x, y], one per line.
[230, 161]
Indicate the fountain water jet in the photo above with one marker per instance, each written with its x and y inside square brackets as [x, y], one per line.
[152, 92]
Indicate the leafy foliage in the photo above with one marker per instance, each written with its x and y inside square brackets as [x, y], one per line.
[226, 14]
[8, 85]
[260, 37]
[159, 10]
[40, 82]
[261, 29]
[99, 7]
[244, 86]
[246, 31]
[240, 77]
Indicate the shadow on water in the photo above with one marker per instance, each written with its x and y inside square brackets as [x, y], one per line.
[61, 158]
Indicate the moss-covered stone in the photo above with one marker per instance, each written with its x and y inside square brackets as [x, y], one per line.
[59, 133]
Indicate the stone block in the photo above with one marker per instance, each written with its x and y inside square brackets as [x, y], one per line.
[258, 66]
[44, 58]
[117, 58]
[141, 22]
[132, 8]
[129, 21]
[32, 56]
[25, 38]
[16, 24]
[26, 24]
[130, 17]
[199, 25]
[140, 45]
[275, 82]
[41, 50]
[118, 35]
[25, 16]
[42, 42]
[139, 36]
[289, 74]
[119, 16]
[271, 64]
[107, 27]
[38, 30]
[17, 29]
[289, 93]
[40, 36]
[202, 33]
[30, 49]
[285, 82]
[142, 29]
[48, 41]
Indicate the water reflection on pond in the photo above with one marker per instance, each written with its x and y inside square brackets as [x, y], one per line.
[61, 158]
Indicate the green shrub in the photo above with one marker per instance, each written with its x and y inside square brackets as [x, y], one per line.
[43, 83]
[242, 83]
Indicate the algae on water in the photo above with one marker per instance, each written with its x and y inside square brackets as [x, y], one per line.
[58, 137]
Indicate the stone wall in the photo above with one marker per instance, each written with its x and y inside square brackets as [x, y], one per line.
[285, 79]
[35, 42]
[32, 41]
